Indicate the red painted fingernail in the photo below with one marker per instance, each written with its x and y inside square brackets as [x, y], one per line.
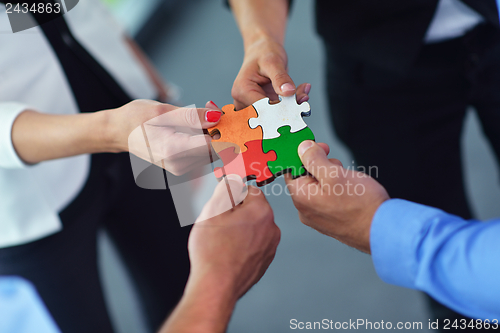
[214, 104]
[213, 116]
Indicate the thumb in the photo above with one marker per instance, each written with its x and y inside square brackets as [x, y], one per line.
[314, 158]
[196, 118]
[276, 71]
[227, 194]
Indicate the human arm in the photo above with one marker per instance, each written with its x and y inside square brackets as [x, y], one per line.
[412, 245]
[451, 259]
[38, 137]
[264, 71]
[229, 253]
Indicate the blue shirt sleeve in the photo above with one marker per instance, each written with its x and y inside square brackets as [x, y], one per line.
[21, 309]
[455, 261]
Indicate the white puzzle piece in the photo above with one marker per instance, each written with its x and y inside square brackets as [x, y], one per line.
[285, 113]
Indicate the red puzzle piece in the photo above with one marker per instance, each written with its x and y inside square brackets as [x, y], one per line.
[251, 164]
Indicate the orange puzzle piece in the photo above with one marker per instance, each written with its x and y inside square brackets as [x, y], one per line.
[233, 127]
[220, 146]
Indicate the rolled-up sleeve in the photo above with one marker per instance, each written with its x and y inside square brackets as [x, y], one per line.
[8, 114]
[453, 260]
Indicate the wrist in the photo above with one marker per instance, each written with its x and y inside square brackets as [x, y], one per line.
[359, 236]
[261, 37]
[205, 307]
[105, 132]
[217, 291]
[220, 288]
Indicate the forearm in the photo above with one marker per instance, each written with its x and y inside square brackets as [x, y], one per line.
[451, 259]
[38, 137]
[206, 307]
[261, 19]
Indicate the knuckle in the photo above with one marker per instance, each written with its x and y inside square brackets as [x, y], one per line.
[273, 59]
[336, 162]
[236, 92]
[168, 152]
[281, 76]
[168, 166]
[191, 117]
[277, 236]
[300, 204]
[276, 232]
[175, 170]
[261, 212]
[158, 109]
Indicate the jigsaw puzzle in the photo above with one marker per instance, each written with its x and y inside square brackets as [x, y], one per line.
[285, 148]
[260, 141]
[234, 128]
[252, 164]
[273, 116]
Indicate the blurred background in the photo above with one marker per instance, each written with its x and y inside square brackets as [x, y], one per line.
[195, 44]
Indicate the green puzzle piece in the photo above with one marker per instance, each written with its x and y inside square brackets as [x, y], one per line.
[286, 146]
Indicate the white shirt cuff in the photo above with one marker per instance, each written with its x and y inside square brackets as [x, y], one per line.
[8, 114]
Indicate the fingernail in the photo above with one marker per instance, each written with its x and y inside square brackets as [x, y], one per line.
[234, 177]
[304, 99]
[213, 116]
[212, 102]
[307, 89]
[287, 87]
[304, 146]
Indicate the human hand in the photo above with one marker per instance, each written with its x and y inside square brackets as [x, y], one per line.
[264, 74]
[230, 248]
[166, 135]
[236, 247]
[337, 202]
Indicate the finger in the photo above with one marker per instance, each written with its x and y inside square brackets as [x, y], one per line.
[211, 105]
[325, 147]
[314, 159]
[197, 118]
[303, 92]
[275, 69]
[179, 145]
[256, 204]
[254, 194]
[182, 167]
[336, 162]
[246, 94]
[302, 190]
[297, 185]
[222, 199]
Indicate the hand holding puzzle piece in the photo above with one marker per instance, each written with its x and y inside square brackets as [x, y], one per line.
[260, 141]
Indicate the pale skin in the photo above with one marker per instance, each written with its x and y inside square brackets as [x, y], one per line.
[39, 137]
[343, 215]
[264, 71]
[229, 253]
